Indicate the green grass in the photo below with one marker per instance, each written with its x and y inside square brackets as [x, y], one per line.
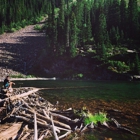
[22, 76]
[98, 117]
[39, 27]
[22, 24]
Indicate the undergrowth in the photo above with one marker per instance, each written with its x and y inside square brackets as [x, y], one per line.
[98, 117]
[22, 76]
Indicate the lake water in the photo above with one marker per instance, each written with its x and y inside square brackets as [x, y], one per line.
[96, 96]
[107, 90]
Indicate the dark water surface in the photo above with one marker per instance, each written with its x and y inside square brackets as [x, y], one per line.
[107, 90]
[96, 95]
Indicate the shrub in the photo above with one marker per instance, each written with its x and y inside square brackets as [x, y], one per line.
[22, 76]
[98, 117]
[37, 27]
[17, 76]
[30, 76]
[118, 66]
[11, 30]
[80, 75]
[18, 27]
[23, 23]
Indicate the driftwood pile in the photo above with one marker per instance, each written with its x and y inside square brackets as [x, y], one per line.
[32, 117]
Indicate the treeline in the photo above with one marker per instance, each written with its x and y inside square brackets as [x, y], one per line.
[103, 27]
[101, 23]
[16, 14]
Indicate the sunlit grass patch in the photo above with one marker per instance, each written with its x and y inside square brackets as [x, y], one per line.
[22, 76]
[98, 117]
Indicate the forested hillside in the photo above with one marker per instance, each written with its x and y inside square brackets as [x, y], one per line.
[106, 31]
[16, 14]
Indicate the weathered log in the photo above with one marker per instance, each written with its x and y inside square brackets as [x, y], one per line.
[10, 132]
[65, 135]
[45, 114]
[60, 128]
[91, 125]
[31, 121]
[61, 116]
[30, 117]
[9, 114]
[53, 129]
[55, 122]
[121, 127]
[75, 127]
[40, 124]
[23, 95]
[24, 129]
[27, 103]
[27, 79]
[116, 123]
[81, 126]
[12, 98]
[105, 124]
[35, 128]
[48, 119]
[25, 136]
[41, 137]
[84, 128]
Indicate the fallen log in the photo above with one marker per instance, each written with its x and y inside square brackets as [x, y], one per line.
[23, 95]
[10, 132]
[122, 128]
[35, 128]
[32, 121]
[12, 98]
[29, 79]
[53, 128]
[24, 105]
[61, 116]
[47, 119]
[64, 135]
[25, 136]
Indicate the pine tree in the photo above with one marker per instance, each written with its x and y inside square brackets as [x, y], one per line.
[60, 37]
[115, 36]
[15, 13]
[2, 29]
[67, 33]
[123, 16]
[61, 30]
[73, 35]
[101, 29]
[67, 27]
[89, 30]
[62, 11]
[51, 30]
[79, 13]
[114, 14]
[103, 51]
[137, 64]
[133, 24]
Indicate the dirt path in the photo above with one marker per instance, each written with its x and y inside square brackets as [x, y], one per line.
[20, 50]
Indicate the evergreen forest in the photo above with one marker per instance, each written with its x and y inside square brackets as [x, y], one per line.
[106, 30]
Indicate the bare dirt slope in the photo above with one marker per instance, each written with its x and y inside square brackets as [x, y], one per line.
[20, 50]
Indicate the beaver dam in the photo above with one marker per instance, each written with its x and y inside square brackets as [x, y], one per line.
[24, 114]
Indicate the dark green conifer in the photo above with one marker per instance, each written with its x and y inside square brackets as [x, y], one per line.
[73, 35]
[137, 64]
[133, 25]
